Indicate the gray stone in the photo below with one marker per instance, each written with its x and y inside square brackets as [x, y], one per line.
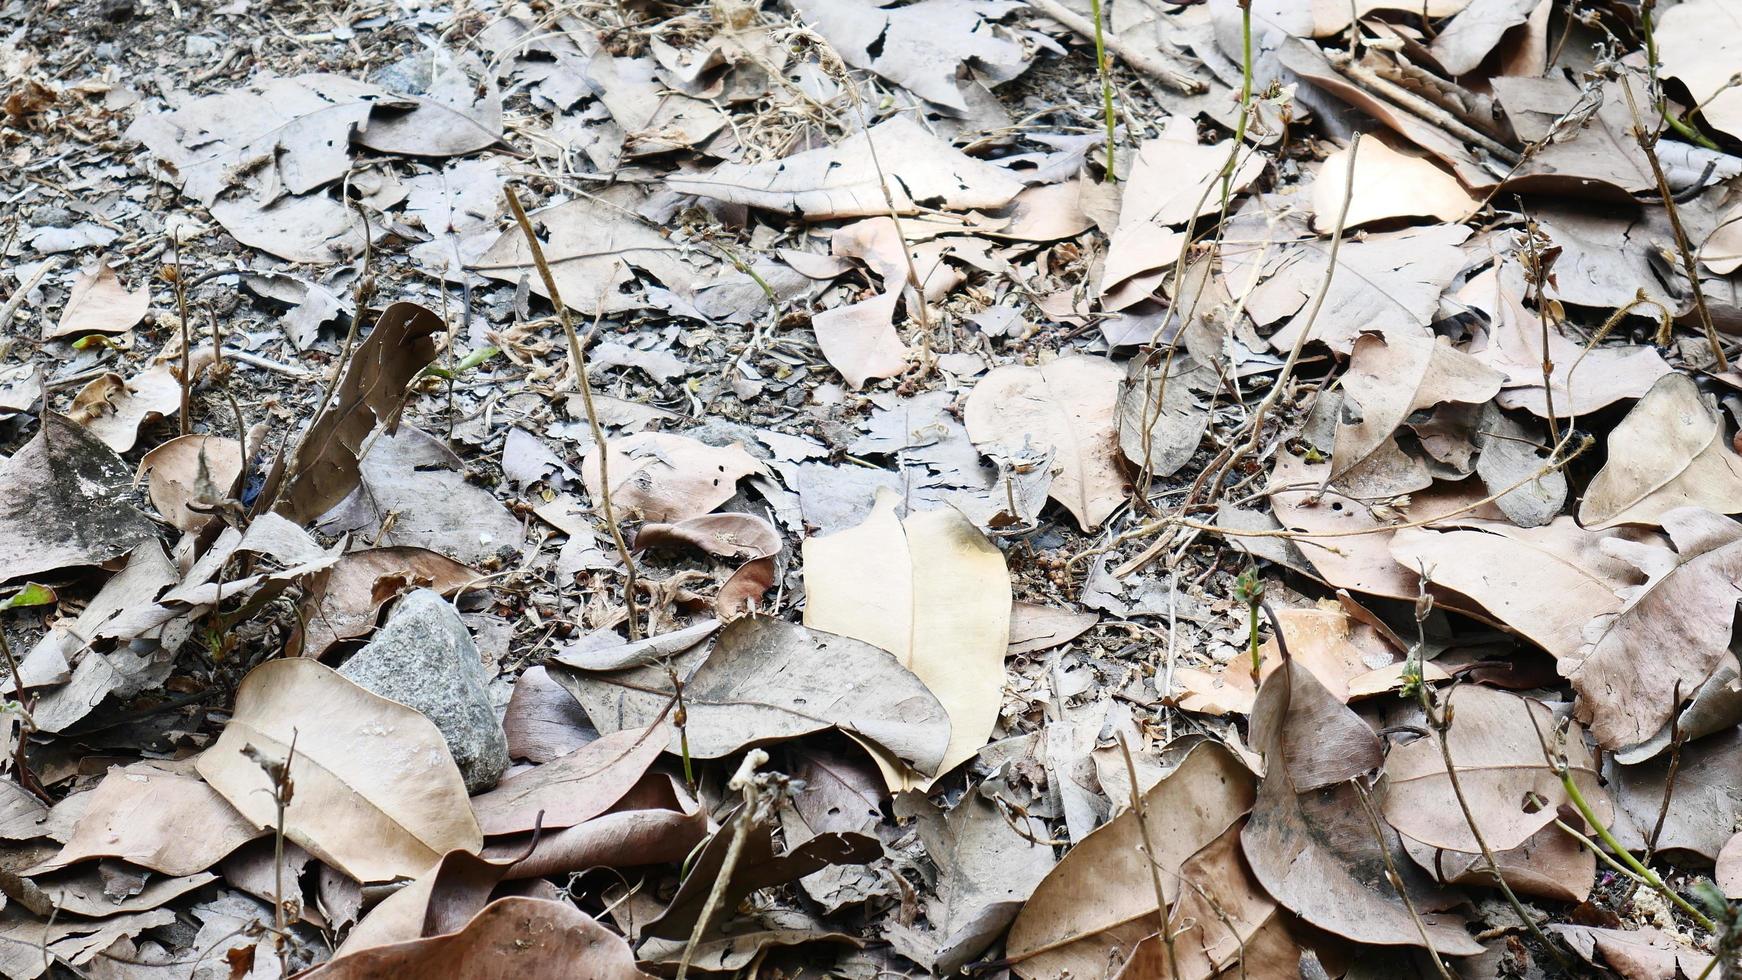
[424, 658]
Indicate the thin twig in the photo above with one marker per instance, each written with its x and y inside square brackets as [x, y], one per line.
[578, 359]
[745, 781]
[1141, 811]
[1171, 76]
[1396, 880]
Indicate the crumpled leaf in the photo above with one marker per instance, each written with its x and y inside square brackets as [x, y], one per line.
[840, 181]
[744, 537]
[325, 467]
[99, 303]
[1670, 451]
[1100, 900]
[933, 592]
[922, 46]
[113, 408]
[665, 477]
[377, 794]
[527, 938]
[1463, 44]
[1070, 405]
[1509, 783]
[766, 680]
[63, 502]
[1510, 451]
[656, 822]
[1391, 378]
[1671, 634]
[1311, 840]
[174, 476]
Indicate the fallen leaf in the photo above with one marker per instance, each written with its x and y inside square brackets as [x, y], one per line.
[1160, 419]
[527, 938]
[656, 822]
[1728, 872]
[1071, 406]
[571, 789]
[743, 941]
[452, 116]
[841, 181]
[1100, 899]
[175, 470]
[543, 721]
[1510, 462]
[1636, 954]
[841, 794]
[326, 468]
[1034, 628]
[343, 602]
[1388, 284]
[921, 46]
[1388, 184]
[377, 794]
[766, 680]
[113, 409]
[1551, 864]
[987, 869]
[1704, 807]
[1670, 451]
[743, 537]
[1464, 43]
[665, 477]
[1391, 378]
[1172, 181]
[1671, 634]
[1337, 649]
[99, 303]
[64, 502]
[1697, 43]
[859, 339]
[592, 249]
[26, 940]
[933, 592]
[1311, 840]
[168, 822]
[1511, 788]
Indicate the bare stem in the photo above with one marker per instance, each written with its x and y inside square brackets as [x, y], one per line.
[1397, 880]
[578, 358]
[1103, 69]
[745, 781]
[1141, 811]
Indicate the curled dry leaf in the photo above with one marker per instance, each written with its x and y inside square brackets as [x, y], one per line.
[842, 181]
[525, 938]
[1670, 635]
[1337, 650]
[859, 339]
[1391, 378]
[766, 680]
[933, 592]
[1388, 184]
[342, 602]
[1071, 406]
[1670, 451]
[655, 823]
[168, 822]
[377, 794]
[543, 721]
[1099, 901]
[1034, 628]
[326, 468]
[744, 537]
[1511, 788]
[661, 476]
[574, 788]
[99, 303]
[191, 469]
[440, 900]
[63, 503]
[113, 409]
[1311, 839]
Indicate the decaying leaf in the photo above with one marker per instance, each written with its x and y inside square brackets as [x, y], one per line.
[113, 408]
[919, 46]
[1670, 451]
[933, 592]
[1638, 954]
[1071, 406]
[63, 502]
[377, 794]
[186, 470]
[166, 821]
[1392, 377]
[661, 476]
[744, 537]
[343, 601]
[766, 680]
[1336, 648]
[860, 341]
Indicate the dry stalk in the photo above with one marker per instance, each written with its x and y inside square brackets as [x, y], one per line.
[1141, 811]
[1396, 879]
[744, 781]
[181, 312]
[1171, 76]
[578, 359]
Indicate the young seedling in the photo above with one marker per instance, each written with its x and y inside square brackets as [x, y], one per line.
[1104, 69]
[1249, 589]
[30, 595]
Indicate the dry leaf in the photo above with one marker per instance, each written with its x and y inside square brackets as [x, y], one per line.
[593, 250]
[655, 823]
[453, 115]
[1728, 872]
[325, 468]
[165, 821]
[1034, 628]
[1509, 783]
[743, 537]
[377, 794]
[859, 339]
[1551, 864]
[342, 602]
[113, 409]
[841, 181]
[1388, 284]
[1704, 807]
[64, 502]
[573, 788]
[1463, 44]
[933, 592]
[1164, 409]
[1698, 43]
[1388, 184]
[1670, 451]
[543, 721]
[1325, 640]
[1636, 954]
[661, 476]
[1391, 378]
[1071, 406]
[1100, 899]
[1172, 181]
[1511, 462]
[175, 470]
[99, 303]
[1311, 840]
[767, 680]
[921, 46]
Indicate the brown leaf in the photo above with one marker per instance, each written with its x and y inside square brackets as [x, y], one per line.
[377, 794]
[745, 537]
[1069, 405]
[859, 339]
[661, 476]
[1636, 954]
[1311, 840]
[342, 602]
[656, 822]
[1324, 640]
[574, 788]
[1100, 900]
[99, 303]
[171, 823]
[113, 409]
[325, 467]
[63, 502]
[1698, 44]
[173, 475]
[1388, 184]
[1034, 627]
[1391, 378]
[1670, 451]
[525, 938]
[543, 721]
[1704, 807]
[1551, 865]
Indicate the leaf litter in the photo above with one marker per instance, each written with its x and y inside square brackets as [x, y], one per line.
[973, 509]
